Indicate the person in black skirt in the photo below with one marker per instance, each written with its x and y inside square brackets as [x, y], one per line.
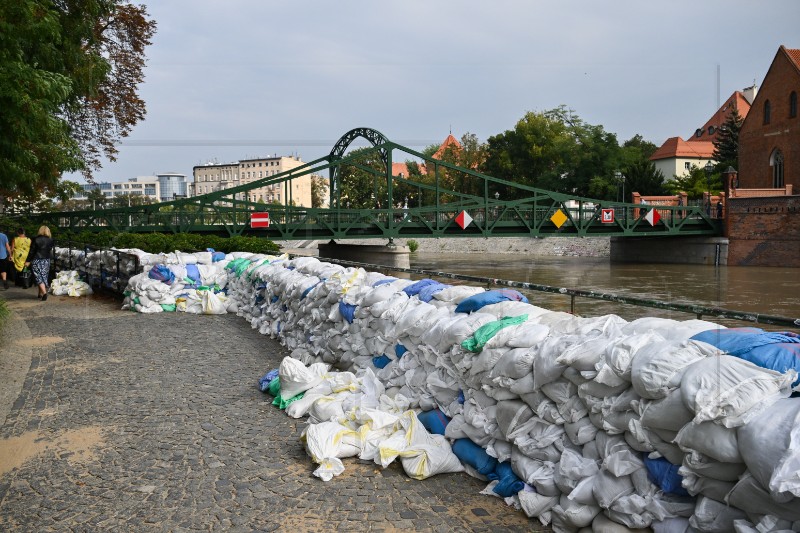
[39, 259]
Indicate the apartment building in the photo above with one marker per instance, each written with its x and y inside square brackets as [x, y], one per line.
[213, 177]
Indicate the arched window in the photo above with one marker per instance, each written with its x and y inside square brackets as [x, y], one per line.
[792, 104]
[776, 162]
[766, 112]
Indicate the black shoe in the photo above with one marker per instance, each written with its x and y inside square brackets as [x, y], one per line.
[5, 284]
[44, 297]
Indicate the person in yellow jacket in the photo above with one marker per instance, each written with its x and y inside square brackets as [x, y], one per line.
[19, 250]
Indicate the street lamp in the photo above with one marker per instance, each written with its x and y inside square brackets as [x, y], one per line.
[708, 168]
[620, 177]
[496, 195]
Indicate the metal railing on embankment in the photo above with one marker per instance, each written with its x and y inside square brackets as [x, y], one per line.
[696, 309]
[96, 267]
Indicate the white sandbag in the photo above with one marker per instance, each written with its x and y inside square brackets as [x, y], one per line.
[712, 516]
[751, 497]
[667, 413]
[730, 391]
[715, 441]
[534, 504]
[515, 363]
[712, 488]
[603, 524]
[657, 368]
[569, 515]
[587, 354]
[707, 467]
[296, 378]
[510, 414]
[770, 446]
[326, 443]
[457, 293]
[213, 303]
[678, 524]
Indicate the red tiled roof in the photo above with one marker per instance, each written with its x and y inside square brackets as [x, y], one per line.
[677, 147]
[794, 55]
[448, 142]
[736, 101]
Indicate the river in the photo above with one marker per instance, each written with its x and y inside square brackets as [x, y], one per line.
[773, 291]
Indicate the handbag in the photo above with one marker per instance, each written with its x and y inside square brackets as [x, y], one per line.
[25, 278]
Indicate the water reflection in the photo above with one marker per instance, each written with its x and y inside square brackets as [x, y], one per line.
[772, 291]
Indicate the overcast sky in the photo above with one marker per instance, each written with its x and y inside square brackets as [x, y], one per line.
[233, 79]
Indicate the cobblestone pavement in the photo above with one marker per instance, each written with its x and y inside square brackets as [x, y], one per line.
[131, 422]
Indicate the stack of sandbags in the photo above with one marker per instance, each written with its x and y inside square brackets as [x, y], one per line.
[69, 283]
[577, 421]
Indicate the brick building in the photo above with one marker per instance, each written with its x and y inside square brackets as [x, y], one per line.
[769, 141]
[763, 212]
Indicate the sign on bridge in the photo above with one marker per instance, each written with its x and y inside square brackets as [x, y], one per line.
[259, 220]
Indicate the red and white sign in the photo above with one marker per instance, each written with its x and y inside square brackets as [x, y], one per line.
[259, 220]
[463, 219]
[607, 216]
[652, 217]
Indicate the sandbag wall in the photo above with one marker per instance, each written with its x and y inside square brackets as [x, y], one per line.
[601, 421]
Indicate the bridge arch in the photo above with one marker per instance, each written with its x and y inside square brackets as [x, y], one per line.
[375, 138]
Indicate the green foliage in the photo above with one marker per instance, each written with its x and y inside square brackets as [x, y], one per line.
[362, 182]
[642, 177]
[726, 145]
[412, 245]
[553, 150]
[694, 183]
[163, 243]
[69, 71]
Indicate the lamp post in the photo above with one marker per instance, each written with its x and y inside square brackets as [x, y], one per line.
[708, 168]
[496, 195]
[620, 177]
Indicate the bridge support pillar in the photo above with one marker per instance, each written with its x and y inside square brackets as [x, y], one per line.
[389, 255]
[683, 250]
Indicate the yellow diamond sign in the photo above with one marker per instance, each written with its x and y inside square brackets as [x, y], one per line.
[558, 218]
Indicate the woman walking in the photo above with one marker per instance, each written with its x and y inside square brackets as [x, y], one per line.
[39, 259]
[20, 247]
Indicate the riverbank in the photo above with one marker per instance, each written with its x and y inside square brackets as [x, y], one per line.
[549, 246]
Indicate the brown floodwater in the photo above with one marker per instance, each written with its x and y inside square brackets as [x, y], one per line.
[772, 291]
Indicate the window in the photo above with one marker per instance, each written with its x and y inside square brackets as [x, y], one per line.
[793, 105]
[776, 162]
[687, 166]
[698, 133]
[767, 110]
[711, 130]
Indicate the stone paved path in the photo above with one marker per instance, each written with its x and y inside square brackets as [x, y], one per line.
[130, 422]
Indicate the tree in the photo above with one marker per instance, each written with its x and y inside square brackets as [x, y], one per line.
[362, 182]
[96, 198]
[319, 191]
[726, 145]
[695, 183]
[642, 177]
[69, 71]
[553, 150]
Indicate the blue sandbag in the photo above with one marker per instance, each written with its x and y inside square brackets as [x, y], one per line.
[217, 257]
[193, 273]
[263, 383]
[426, 294]
[470, 453]
[414, 288]
[347, 311]
[400, 350]
[665, 475]
[480, 300]
[732, 340]
[508, 482]
[434, 421]
[381, 362]
[781, 356]
[161, 273]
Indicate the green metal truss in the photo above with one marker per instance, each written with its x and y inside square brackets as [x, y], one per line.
[524, 211]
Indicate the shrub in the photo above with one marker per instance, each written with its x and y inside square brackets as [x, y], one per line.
[412, 245]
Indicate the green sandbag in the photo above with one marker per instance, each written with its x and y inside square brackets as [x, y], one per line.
[168, 308]
[274, 387]
[282, 404]
[484, 333]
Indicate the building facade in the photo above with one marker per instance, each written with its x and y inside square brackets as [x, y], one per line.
[677, 156]
[769, 141]
[214, 177]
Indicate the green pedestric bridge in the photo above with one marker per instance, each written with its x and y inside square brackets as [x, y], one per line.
[365, 200]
